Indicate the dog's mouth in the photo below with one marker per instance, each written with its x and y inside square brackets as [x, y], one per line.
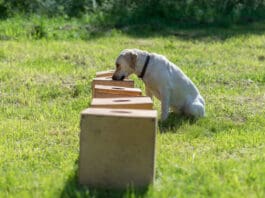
[116, 78]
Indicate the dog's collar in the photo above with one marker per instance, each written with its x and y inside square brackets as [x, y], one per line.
[145, 67]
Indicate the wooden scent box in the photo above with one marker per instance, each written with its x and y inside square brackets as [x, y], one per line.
[123, 103]
[108, 81]
[117, 147]
[103, 91]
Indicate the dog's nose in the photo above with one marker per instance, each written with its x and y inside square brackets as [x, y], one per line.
[114, 77]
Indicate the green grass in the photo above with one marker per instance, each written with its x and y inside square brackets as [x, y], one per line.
[44, 85]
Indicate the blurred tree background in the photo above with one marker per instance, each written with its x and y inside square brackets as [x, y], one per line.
[118, 13]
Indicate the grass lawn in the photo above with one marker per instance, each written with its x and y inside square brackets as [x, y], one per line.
[44, 85]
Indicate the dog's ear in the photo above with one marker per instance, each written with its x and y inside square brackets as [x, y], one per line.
[131, 58]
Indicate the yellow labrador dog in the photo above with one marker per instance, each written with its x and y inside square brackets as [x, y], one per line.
[163, 79]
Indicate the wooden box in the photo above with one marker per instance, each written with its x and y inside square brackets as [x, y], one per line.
[108, 81]
[102, 91]
[123, 103]
[117, 147]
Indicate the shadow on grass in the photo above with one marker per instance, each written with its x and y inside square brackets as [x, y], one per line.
[198, 32]
[174, 122]
[73, 189]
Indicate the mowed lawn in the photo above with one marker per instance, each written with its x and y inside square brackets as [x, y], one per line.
[45, 84]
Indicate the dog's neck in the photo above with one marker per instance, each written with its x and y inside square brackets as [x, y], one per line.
[141, 59]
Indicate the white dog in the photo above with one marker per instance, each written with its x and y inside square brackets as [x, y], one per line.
[163, 79]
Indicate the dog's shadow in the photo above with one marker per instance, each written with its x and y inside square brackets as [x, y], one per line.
[174, 122]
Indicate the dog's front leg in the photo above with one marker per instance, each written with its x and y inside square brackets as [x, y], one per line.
[164, 106]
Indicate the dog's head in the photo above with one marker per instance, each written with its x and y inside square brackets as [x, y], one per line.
[125, 64]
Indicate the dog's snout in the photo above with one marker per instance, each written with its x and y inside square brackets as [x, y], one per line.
[114, 77]
[117, 77]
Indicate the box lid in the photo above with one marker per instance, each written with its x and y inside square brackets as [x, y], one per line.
[120, 112]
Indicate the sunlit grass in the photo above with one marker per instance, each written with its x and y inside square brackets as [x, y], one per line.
[44, 84]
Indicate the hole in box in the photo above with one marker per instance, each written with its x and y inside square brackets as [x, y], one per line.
[118, 88]
[120, 111]
[125, 100]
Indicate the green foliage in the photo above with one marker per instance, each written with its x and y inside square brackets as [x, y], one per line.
[123, 12]
[37, 31]
[184, 12]
[46, 7]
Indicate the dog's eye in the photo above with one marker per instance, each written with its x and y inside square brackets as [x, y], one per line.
[117, 65]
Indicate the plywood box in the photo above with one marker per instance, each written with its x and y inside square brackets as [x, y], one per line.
[105, 73]
[108, 81]
[102, 91]
[123, 103]
[117, 147]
